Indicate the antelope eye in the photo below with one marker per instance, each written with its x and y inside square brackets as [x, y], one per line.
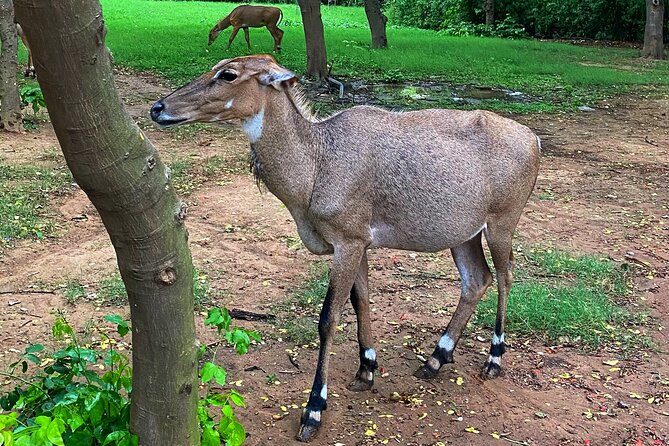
[226, 75]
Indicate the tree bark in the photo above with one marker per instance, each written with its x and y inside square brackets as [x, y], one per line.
[10, 102]
[122, 174]
[314, 37]
[377, 23]
[653, 43]
[489, 12]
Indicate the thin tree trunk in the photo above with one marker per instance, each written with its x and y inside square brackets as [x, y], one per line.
[120, 171]
[314, 37]
[377, 23]
[653, 43]
[489, 12]
[10, 102]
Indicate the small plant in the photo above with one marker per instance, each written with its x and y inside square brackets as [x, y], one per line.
[73, 290]
[66, 401]
[271, 379]
[228, 428]
[32, 96]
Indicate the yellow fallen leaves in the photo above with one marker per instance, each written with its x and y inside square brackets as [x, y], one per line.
[472, 430]
[611, 362]
[495, 435]
[459, 381]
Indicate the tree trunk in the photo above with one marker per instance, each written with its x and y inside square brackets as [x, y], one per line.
[10, 102]
[489, 12]
[653, 44]
[314, 37]
[120, 171]
[377, 23]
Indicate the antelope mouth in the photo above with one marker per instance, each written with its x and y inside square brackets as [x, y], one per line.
[169, 121]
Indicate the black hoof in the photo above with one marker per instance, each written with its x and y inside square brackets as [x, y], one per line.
[308, 430]
[360, 385]
[426, 372]
[491, 370]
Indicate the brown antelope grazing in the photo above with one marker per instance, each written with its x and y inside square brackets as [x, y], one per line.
[365, 178]
[30, 69]
[247, 16]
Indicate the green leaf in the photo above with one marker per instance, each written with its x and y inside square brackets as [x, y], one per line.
[234, 434]
[213, 317]
[220, 375]
[34, 348]
[237, 399]
[7, 438]
[54, 432]
[122, 326]
[208, 371]
[114, 438]
[210, 437]
[81, 438]
[32, 358]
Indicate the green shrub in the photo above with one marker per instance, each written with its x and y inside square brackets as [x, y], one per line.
[595, 19]
[62, 400]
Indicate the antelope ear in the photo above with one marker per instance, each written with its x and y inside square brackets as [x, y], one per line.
[278, 77]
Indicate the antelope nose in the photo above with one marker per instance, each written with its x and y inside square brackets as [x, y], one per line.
[156, 109]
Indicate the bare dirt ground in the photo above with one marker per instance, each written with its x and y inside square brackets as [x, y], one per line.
[603, 188]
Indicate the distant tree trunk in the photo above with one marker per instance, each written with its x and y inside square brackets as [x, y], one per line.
[122, 174]
[10, 102]
[377, 23]
[653, 43]
[314, 37]
[489, 12]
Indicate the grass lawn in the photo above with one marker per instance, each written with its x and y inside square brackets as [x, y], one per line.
[170, 38]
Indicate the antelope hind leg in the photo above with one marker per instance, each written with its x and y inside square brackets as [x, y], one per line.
[364, 377]
[476, 279]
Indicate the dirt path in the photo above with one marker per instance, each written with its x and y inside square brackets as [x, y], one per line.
[603, 188]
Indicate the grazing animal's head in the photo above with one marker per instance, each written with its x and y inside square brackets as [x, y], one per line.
[213, 34]
[233, 89]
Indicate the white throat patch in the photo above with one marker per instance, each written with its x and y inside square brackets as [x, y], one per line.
[253, 126]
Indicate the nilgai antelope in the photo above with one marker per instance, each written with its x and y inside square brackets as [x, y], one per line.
[248, 16]
[365, 178]
[30, 69]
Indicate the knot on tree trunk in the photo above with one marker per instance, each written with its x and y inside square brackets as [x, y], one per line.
[182, 210]
[167, 276]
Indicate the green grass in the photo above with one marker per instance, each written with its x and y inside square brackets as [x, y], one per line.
[576, 300]
[170, 38]
[24, 197]
[73, 290]
[297, 316]
[556, 298]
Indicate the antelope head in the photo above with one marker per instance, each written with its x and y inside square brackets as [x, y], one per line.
[213, 34]
[233, 89]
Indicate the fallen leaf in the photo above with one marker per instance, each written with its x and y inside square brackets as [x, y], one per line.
[611, 362]
[459, 381]
[472, 430]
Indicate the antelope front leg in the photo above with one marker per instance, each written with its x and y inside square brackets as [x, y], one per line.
[364, 378]
[345, 264]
